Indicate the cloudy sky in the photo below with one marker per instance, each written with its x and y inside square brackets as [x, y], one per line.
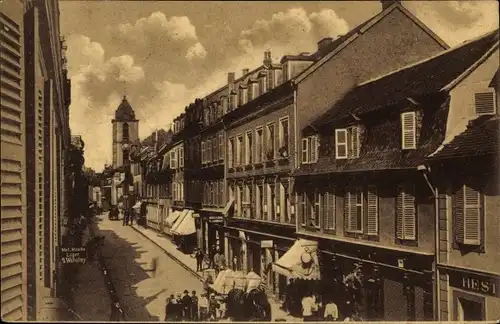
[165, 54]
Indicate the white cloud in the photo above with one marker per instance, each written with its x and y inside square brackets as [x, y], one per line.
[196, 51]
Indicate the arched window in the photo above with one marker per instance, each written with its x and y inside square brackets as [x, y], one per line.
[125, 134]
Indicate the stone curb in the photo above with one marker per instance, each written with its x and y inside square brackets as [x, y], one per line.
[197, 275]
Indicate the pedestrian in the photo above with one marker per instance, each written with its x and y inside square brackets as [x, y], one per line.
[331, 311]
[203, 304]
[194, 306]
[125, 217]
[216, 261]
[178, 307]
[213, 305]
[186, 306]
[211, 255]
[308, 306]
[199, 260]
[168, 308]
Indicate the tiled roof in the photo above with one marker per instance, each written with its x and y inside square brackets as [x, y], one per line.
[480, 138]
[380, 149]
[415, 80]
[124, 112]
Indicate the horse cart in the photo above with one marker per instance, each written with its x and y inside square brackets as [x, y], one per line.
[244, 294]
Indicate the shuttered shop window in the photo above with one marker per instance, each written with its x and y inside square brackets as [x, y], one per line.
[467, 215]
[406, 214]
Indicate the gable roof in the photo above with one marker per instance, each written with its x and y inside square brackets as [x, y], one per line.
[332, 49]
[480, 138]
[429, 76]
[125, 112]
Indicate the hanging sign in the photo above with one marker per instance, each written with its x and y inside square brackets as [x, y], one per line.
[266, 244]
[72, 255]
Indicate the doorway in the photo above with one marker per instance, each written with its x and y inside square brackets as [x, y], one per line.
[469, 310]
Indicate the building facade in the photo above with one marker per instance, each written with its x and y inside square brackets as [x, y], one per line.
[35, 96]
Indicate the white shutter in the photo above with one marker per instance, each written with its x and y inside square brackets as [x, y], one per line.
[341, 143]
[408, 130]
[409, 214]
[314, 149]
[305, 150]
[484, 103]
[472, 221]
[372, 221]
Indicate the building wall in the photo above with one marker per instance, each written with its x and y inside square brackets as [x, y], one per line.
[12, 166]
[118, 140]
[391, 43]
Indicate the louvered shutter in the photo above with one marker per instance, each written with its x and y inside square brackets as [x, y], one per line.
[408, 130]
[329, 210]
[355, 142]
[399, 214]
[354, 210]
[472, 221]
[484, 103]
[347, 211]
[324, 209]
[406, 219]
[372, 214]
[314, 148]
[341, 143]
[305, 150]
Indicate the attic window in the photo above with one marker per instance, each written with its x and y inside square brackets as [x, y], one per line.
[408, 130]
[484, 103]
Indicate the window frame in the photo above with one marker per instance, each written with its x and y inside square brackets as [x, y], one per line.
[460, 217]
[231, 152]
[248, 147]
[270, 139]
[259, 144]
[344, 144]
[240, 146]
[281, 133]
[181, 157]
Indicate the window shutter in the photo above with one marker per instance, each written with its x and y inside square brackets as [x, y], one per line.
[329, 210]
[407, 218]
[314, 148]
[372, 221]
[347, 210]
[408, 130]
[341, 143]
[484, 103]
[203, 160]
[355, 142]
[399, 214]
[472, 221]
[305, 150]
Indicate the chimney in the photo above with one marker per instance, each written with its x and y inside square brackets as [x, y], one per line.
[244, 72]
[230, 81]
[387, 3]
[267, 58]
[322, 44]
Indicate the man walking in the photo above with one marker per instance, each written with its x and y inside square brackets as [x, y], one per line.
[194, 306]
[199, 260]
[186, 305]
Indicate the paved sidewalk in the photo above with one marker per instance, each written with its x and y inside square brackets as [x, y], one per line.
[189, 263]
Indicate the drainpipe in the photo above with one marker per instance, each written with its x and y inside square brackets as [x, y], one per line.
[425, 170]
[296, 154]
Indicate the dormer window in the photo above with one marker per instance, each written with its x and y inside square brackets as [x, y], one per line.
[408, 130]
[271, 79]
[484, 103]
[243, 96]
[232, 101]
[262, 85]
[310, 149]
[347, 142]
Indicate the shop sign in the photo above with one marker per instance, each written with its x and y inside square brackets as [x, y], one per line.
[266, 244]
[475, 283]
[215, 219]
[72, 255]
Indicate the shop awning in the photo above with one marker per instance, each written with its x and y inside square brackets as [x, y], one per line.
[172, 218]
[179, 219]
[220, 284]
[186, 226]
[300, 261]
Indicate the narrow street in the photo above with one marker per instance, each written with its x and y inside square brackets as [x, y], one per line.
[128, 256]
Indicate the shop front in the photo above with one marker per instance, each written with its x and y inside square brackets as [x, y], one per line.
[372, 284]
[184, 231]
[472, 295]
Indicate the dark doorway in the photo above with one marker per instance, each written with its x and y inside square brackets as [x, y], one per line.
[471, 310]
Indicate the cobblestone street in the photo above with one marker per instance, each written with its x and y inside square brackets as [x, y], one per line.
[128, 255]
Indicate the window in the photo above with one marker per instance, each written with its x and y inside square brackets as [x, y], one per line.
[173, 159]
[283, 137]
[467, 212]
[208, 148]
[405, 214]
[240, 150]
[203, 156]
[341, 143]
[259, 143]
[347, 143]
[125, 132]
[248, 148]
[484, 103]
[408, 128]
[243, 96]
[221, 146]
[354, 210]
[304, 208]
[328, 210]
[284, 203]
[231, 153]
[262, 85]
[316, 210]
[224, 105]
[215, 147]
[259, 200]
[271, 79]
[270, 142]
[181, 157]
[247, 199]
[239, 197]
[310, 149]
[253, 91]
[232, 101]
[272, 204]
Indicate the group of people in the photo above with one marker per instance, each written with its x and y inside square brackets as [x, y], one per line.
[216, 260]
[191, 308]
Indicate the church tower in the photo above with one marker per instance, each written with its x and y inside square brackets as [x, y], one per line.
[125, 132]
